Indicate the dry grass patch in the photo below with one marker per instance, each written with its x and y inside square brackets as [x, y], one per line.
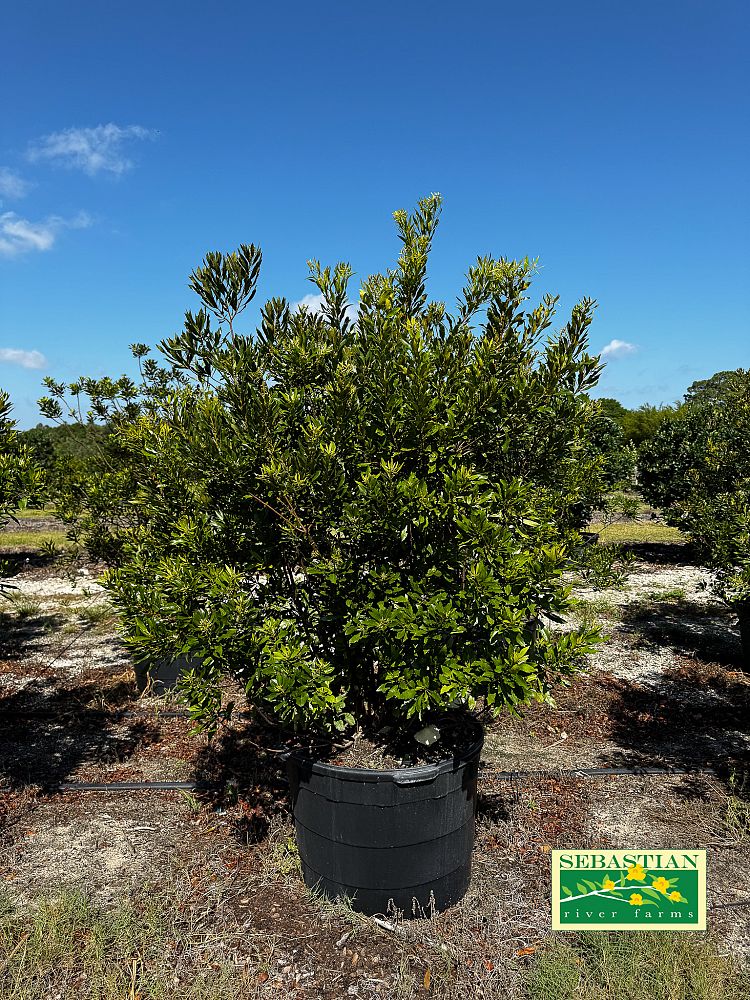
[150, 948]
[635, 966]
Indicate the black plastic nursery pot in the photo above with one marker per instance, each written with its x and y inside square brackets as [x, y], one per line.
[398, 838]
[162, 675]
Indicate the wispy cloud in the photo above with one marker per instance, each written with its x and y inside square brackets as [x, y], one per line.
[618, 349]
[92, 150]
[313, 302]
[19, 236]
[11, 185]
[26, 359]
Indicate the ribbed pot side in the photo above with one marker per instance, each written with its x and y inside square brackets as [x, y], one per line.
[402, 837]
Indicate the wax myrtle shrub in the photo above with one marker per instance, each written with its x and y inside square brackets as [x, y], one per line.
[21, 478]
[697, 468]
[92, 479]
[607, 439]
[359, 515]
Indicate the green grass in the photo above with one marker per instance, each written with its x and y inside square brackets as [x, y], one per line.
[638, 532]
[671, 595]
[589, 610]
[96, 614]
[642, 965]
[23, 607]
[30, 514]
[64, 947]
[12, 541]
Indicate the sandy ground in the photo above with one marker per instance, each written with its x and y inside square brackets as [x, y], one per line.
[663, 690]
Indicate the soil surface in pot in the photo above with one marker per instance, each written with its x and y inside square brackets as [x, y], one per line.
[392, 748]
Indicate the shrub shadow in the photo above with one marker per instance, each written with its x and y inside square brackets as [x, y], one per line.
[697, 717]
[662, 553]
[493, 802]
[708, 634]
[238, 776]
[21, 634]
[48, 731]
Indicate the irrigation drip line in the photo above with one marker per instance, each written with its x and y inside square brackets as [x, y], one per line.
[584, 772]
[114, 714]
[131, 786]
[595, 772]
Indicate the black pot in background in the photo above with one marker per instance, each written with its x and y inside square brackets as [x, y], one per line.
[400, 838]
[162, 675]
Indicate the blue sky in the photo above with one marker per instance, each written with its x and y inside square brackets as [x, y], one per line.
[609, 140]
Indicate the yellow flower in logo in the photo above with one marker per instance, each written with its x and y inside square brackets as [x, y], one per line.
[661, 884]
[675, 897]
[636, 899]
[637, 872]
[608, 884]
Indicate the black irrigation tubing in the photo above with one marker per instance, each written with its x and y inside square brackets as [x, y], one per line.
[596, 772]
[130, 786]
[115, 714]
[585, 772]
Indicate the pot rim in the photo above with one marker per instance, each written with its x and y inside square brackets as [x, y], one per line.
[397, 775]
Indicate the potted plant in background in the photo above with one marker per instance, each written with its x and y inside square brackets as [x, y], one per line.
[362, 516]
[94, 491]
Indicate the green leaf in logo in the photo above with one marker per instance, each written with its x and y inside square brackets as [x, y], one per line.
[646, 890]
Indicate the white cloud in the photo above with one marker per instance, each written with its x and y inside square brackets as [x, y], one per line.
[618, 349]
[11, 185]
[90, 149]
[19, 236]
[314, 303]
[26, 359]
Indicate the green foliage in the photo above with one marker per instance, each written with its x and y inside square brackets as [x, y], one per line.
[637, 425]
[618, 505]
[698, 467]
[602, 567]
[642, 424]
[357, 517]
[607, 439]
[711, 390]
[92, 480]
[21, 479]
[52, 445]
[613, 409]
[665, 461]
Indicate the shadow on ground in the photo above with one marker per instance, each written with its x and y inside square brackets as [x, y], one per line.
[239, 777]
[661, 553]
[709, 634]
[48, 730]
[698, 716]
[21, 634]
